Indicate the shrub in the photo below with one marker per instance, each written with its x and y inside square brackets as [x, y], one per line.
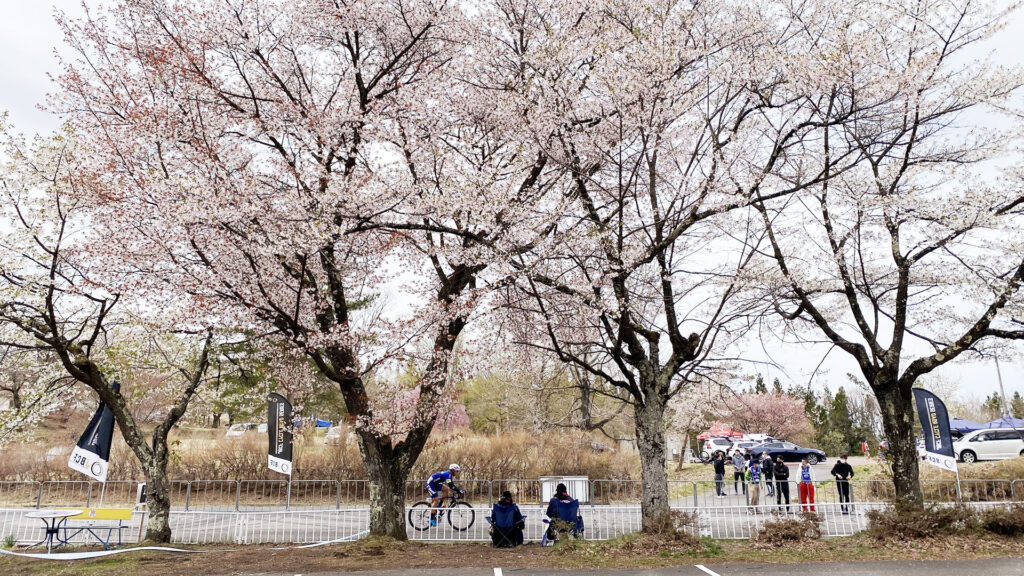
[676, 526]
[1003, 521]
[932, 520]
[776, 533]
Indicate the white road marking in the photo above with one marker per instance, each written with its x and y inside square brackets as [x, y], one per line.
[706, 570]
[497, 572]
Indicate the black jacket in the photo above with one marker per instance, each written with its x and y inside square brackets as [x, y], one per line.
[781, 471]
[844, 470]
[719, 466]
[768, 469]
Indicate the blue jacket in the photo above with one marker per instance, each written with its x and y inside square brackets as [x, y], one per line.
[506, 515]
[564, 509]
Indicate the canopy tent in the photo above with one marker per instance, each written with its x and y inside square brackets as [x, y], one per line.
[1005, 422]
[719, 430]
[963, 425]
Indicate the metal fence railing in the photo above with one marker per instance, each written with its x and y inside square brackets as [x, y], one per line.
[602, 522]
[266, 495]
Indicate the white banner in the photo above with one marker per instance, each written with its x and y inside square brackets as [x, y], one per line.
[88, 463]
[279, 465]
[941, 461]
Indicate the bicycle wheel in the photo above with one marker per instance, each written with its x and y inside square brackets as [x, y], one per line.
[705, 457]
[419, 516]
[461, 516]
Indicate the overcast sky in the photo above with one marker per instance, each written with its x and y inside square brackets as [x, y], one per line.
[29, 37]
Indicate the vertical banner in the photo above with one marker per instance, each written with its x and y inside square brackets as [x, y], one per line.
[92, 453]
[279, 421]
[938, 442]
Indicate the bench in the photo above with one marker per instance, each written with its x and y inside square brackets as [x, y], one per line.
[99, 521]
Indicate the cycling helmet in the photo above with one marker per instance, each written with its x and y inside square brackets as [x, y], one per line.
[454, 468]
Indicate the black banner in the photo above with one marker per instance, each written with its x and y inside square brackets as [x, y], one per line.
[938, 442]
[279, 422]
[92, 453]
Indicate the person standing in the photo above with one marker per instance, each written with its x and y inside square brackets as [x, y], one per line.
[781, 483]
[806, 476]
[739, 467]
[755, 482]
[843, 473]
[768, 471]
[719, 464]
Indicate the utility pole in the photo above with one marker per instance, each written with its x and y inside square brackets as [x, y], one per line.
[1005, 412]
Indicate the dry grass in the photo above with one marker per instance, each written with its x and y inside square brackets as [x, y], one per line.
[788, 531]
[208, 455]
[940, 521]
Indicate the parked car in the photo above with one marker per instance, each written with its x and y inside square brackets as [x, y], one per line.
[790, 452]
[745, 446]
[758, 438]
[336, 436]
[711, 445]
[240, 429]
[989, 444]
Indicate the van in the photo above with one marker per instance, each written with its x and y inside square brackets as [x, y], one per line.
[990, 444]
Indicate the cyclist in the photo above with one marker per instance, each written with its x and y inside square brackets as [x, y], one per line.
[439, 486]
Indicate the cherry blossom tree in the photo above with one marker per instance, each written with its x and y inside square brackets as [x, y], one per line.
[50, 303]
[668, 127]
[909, 255]
[774, 413]
[285, 166]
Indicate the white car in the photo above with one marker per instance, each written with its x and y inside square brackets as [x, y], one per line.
[240, 429]
[990, 444]
[711, 445]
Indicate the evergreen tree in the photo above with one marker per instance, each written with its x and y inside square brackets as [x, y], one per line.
[993, 407]
[777, 386]
[759, 385]
[1017, 405]
[840, 422]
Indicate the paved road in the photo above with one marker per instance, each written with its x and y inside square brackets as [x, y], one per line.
[1002, 567]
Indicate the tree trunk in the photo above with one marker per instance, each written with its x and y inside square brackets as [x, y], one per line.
[158, 503]
[586, 421]
[387, 488]
[215, 420]
[897, 407]
[650, 441]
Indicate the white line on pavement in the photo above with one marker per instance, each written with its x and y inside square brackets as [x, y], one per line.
[706, 570]
[497, 572]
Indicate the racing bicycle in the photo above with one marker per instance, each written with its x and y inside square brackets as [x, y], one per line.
[459, 514]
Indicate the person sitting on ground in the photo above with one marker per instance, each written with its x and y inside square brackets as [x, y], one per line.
[440, 485]
[564, 509]
[507, 522]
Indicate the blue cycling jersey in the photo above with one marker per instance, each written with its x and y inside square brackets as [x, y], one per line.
[438, 478]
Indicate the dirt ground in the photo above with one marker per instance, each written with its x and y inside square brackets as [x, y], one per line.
[636, 552]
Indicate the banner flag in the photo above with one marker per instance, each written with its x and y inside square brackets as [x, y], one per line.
[92, 453]
[938, 442]
[279, 421]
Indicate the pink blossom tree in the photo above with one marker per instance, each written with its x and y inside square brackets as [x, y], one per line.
[284, 166]
[909, 256]
[668, 127]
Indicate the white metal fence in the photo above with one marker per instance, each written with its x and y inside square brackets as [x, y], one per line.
[266, 495]
[309, 526]
[307, 511]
